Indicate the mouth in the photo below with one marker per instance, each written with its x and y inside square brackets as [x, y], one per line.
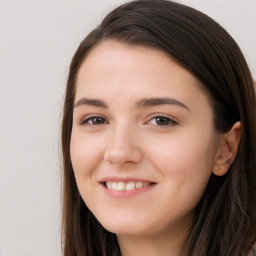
[126, 186]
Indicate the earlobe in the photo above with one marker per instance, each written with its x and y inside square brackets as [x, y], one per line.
[228, 149]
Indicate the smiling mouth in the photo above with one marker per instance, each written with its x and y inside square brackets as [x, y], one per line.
[126, 186]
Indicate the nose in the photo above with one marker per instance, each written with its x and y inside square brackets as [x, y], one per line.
[123, 148]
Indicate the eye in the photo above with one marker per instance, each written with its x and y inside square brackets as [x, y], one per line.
[162, 120]
[94, 120]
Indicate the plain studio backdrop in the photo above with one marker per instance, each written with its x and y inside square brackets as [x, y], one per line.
[37, 41]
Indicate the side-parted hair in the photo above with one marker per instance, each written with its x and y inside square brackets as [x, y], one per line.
[225, 223]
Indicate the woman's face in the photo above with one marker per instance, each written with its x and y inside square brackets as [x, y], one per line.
[143, 142]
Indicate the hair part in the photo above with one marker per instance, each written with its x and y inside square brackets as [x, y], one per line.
[226, 215]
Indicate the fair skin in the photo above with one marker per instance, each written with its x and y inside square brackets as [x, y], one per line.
[143, 146]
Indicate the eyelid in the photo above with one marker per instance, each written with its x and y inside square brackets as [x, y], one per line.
[171, 119]
[174, 121]
[85, 120]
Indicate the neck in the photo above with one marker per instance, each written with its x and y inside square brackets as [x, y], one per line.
[170, 242]
[149, 247]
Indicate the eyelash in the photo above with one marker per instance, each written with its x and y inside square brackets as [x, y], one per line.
[162, 118]
[87, 120]
[170, 121]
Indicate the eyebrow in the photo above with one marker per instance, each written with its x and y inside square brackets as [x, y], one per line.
[147, 102]
[91, 102]
[151, 102]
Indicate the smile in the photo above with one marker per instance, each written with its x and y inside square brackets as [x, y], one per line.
[126, 186]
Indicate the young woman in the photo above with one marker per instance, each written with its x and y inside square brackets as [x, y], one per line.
[159, 138]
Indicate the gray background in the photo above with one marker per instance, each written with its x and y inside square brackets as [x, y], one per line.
[37, 40]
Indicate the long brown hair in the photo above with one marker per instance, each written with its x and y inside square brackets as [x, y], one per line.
[226, 215]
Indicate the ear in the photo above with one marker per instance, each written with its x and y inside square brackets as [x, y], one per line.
[228, 149]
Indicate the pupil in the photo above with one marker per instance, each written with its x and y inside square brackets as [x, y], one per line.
[97, 120]
[162, 120]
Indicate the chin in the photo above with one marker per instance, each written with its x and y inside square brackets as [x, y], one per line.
[126, 227]
[127, 230]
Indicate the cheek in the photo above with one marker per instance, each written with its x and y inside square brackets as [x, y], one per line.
[182, 154]
[184, 161]
[85, 154]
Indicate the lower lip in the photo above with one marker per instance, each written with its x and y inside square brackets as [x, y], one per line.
[127, 193]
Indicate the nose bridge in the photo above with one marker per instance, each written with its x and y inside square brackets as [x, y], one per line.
[123, 133]
[123, 146]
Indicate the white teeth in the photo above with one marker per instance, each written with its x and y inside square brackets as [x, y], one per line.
[113, 185]
[108, 184]
[146, 184]
[131, 185]
[139, 184]
[120, 186]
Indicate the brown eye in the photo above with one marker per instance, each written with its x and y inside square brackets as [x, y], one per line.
[162, 120]
[94, 120]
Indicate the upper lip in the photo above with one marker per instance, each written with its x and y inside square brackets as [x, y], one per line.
[123, 179]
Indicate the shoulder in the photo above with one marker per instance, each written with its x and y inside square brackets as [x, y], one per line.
[253, 251]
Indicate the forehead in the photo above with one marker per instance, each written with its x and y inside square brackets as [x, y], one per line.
[113, 68]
